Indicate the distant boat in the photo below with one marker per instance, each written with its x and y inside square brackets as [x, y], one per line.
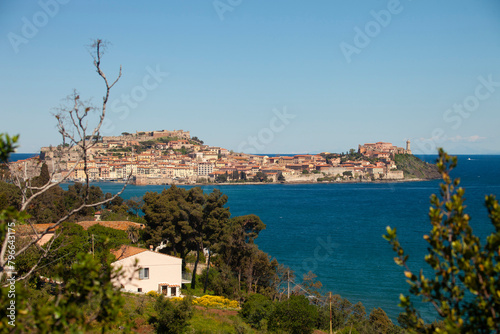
[469, 159]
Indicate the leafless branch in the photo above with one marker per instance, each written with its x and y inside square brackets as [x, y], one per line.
[72, 124]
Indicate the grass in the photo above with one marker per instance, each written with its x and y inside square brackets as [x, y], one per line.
[215, 321]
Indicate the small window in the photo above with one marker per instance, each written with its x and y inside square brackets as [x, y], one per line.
[139, 289]
[144, 273]
[173, 291]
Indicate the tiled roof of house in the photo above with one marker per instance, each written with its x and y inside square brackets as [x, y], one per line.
[117, 225]
[39, 228]
[126, 251]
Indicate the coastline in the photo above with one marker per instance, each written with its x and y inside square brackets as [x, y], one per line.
[269, 183]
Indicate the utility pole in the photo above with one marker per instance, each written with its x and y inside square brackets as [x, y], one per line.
[288, 281]
[331, 313]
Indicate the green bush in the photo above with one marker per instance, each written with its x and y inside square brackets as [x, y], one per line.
[294, 315]
[256, 310]
[171, 317]
[348, 330]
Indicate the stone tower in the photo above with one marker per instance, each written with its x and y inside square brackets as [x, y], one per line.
[408, 149]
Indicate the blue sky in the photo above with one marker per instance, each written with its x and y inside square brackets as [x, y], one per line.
[262, 76]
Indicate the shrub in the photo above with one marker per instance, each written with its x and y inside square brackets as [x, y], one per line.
[380, 322]
[256, 310]
[216, 302]
[294, 315]
[153, 294]
[348, 330]
[171, 317]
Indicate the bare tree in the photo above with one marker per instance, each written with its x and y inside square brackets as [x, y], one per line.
[73, 125]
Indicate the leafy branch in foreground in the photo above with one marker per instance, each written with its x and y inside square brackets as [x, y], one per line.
[465, 289]
[7, 146]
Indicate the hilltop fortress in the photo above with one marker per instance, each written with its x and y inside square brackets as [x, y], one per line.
[383, 150]
[148, 135]
[167, 157]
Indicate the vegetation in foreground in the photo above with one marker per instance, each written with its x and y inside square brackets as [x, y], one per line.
[465, 288]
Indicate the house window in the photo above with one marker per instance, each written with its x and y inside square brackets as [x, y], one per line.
[173, 291]
[144, 273]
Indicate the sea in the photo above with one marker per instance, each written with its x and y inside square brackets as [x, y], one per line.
[335, 229]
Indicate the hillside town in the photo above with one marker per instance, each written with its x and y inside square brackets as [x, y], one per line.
[174, 157]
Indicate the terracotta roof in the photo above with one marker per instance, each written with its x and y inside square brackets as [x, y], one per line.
[39, 228]
[117, 225]
[126, 251]
[170, 285]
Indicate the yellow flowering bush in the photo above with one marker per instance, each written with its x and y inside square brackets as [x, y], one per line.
[152, 293]
[216, 302]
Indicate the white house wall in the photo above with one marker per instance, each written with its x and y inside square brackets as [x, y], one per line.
[162, 269]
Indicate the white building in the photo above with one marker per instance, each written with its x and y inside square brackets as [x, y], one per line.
[153, 272]
[205, 168]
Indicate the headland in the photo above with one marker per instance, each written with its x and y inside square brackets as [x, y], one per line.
[174, 157]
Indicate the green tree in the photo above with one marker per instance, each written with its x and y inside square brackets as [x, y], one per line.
[256, 310]
[236, 248]
[196, 139]
[260, 177]
[48, 206]
[380, 323]
[222, 178]
[167, 216]
[106, 238]
[43, 178]
[71, 240]
[281, 178]
[311, 285]
[465, 286]
[8, 145]
[294, 315]
[215, 217]
[188, 219]
[9, 195]
[135, 203]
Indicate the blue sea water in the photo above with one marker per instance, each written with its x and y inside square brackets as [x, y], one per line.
[21, 156]
[335, 230]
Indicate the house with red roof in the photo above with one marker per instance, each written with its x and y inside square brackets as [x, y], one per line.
[145, 270]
